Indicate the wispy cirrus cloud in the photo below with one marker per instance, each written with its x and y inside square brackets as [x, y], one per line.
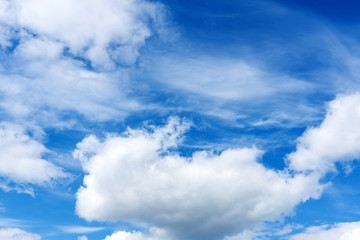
[80, 229]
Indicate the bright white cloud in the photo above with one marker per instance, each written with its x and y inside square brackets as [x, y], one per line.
[340, 231]
[122, 235]
[21, 158]
[336, 139]
[48, 74]
[80, 229]
[82, 238]
[134, 177]
[17, 234]
[102, 31]
[152, 234]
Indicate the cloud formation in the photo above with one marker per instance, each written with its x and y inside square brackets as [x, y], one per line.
[336, 139]
[49, 88]
[138, 177]
[17, 234]
[339, 231]
[101, 31]
[53, 66]
[229, 79]
[80, 229]
[21, 159]
[152, 234]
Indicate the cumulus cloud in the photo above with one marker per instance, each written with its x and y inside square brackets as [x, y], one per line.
[63, 57]
[101, 31]
[17, 234]
[138, 177]
[339, 231]
[21, 159]
[336, 139]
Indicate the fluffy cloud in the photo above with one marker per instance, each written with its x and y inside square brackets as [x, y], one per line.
[17, 234]
[46, 87]
[137, 177]
[63, 57]
[340, 231]
[122, 235]
[152, 234]
[336, 139]
[21, 158]
[101, 31]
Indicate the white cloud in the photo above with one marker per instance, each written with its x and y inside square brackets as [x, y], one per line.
[134, 177]
[7, 186]
[11, 223]
[223, 79]
[102, 31]
[152, 234]
[48, 75]
[80, 229]
[336, 139]
[82, 238]
[47, 88]
[21, 158]
[122, 235]
[339, 231]
[233, 89]
[17, 234]
[43, 48]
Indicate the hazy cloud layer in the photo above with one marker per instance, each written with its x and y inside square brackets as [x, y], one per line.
[222, 79]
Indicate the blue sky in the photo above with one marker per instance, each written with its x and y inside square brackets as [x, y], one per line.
[179, 120]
